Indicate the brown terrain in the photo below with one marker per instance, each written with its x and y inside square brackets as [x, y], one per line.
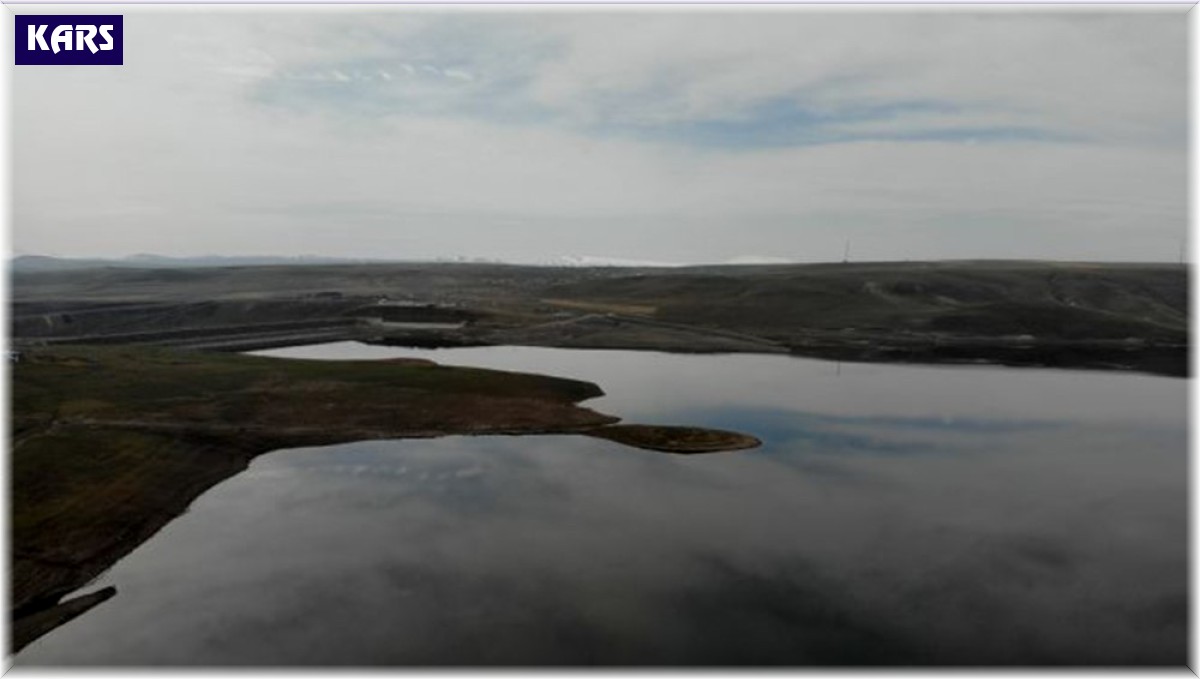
[1101, 316]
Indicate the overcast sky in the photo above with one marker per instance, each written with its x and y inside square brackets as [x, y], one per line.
[700, 135]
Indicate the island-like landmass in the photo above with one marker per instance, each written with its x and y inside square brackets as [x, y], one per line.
[112, 442]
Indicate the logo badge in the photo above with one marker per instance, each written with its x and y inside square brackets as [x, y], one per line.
[68, 40]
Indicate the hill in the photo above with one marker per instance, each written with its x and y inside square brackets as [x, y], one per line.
[1043, 313]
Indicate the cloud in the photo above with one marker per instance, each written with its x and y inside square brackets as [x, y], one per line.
[704, 135]
[1111, 74]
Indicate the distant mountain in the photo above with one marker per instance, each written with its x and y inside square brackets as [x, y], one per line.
[33, 263]
[25, 263]
[588, 260]
[44, 263]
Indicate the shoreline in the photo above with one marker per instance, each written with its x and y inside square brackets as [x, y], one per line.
[1101, 355]
[1165, 360]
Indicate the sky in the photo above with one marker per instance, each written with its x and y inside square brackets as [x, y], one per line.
[649, 134]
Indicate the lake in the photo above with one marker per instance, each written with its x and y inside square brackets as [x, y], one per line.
[895, 514]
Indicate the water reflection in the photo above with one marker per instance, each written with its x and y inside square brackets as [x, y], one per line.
[923, 528]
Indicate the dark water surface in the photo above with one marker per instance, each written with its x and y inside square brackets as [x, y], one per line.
[895, 515]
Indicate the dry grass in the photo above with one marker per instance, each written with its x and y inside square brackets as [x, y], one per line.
[604, 307]
[686, 440]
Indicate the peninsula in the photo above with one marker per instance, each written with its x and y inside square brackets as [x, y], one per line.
[112, 442]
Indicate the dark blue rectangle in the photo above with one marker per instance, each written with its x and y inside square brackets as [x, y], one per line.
[69, 40]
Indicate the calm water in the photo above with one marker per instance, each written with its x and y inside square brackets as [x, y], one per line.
[896, 514]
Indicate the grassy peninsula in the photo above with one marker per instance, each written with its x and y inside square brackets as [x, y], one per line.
[112, 442]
